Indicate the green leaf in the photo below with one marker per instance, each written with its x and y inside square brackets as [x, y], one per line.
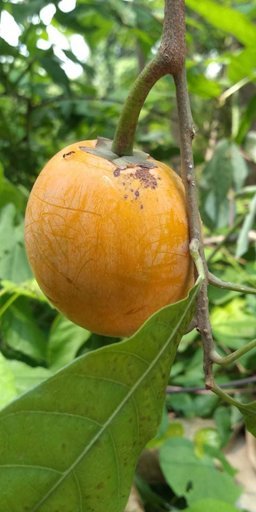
[226, 19]
[21, 332]
[241, 65]
[72, 443]
[224, 172]
[250, 145]
[7, 383]
[13, 261]
[28, 289]
[52, 66]
[232, 324]
[25, 376]
[239, 167]
[223, 423]
[64, 342]
[202, 86]
[249, 414]
[211, 506]
[195, 477]
[11, 194]
[246, 120]
[243, 238]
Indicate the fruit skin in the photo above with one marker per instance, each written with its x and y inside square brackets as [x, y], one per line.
[108, 246]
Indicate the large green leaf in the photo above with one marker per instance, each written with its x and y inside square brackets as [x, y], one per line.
[72, 443]
[195, 477]
[227, 19]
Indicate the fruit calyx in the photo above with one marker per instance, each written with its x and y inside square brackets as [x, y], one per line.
[103, 150]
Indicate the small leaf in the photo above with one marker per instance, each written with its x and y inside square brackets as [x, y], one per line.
[73, 442]
[249, 413]
[21, 332]
[185, 472]
[64, 342]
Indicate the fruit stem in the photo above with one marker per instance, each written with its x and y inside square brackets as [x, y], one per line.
[168, 60]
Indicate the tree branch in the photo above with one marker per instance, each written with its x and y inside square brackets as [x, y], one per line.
[186, 128]
[168, 60]
[238, 384]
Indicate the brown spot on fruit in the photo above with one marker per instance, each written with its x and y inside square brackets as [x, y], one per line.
[117, 172]
[147, 180]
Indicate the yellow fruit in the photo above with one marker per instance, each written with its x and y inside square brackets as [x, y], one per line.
[108, 244]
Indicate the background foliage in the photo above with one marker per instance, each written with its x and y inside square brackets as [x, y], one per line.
[65, 78]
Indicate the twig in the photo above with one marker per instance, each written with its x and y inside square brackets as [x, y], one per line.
[215, 281]
[238, 384]
[168, 60]
[231, 358]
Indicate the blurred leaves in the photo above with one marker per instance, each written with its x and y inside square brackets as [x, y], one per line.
[223, 174]
[13, 260]
[226, 19]
[243, 239]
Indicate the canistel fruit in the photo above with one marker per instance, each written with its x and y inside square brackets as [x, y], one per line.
[107, 239]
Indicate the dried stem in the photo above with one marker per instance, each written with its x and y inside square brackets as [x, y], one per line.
[168, 60]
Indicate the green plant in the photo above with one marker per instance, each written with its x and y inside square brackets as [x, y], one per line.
[34, 341]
